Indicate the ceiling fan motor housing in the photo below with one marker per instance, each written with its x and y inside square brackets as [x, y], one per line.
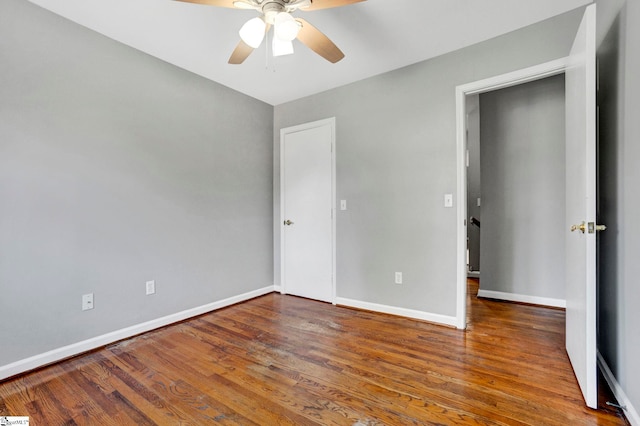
[271, 8]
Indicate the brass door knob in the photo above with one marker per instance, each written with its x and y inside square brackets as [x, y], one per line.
[582, 227]
[288, 222]
[592, 227]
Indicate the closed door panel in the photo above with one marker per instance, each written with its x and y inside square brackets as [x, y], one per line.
[307, 214]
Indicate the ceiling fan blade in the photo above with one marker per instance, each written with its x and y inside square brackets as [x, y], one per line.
[328, 4]
[219, 3]
[318, 42]
[243, 50]
[240, 53]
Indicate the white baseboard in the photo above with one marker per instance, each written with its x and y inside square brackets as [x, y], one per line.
[393, 310]
[58, 354]
[523, 298]
[629, 410]
[277, 288]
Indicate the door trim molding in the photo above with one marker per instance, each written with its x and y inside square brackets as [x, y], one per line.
[514, 78]
[331, 122]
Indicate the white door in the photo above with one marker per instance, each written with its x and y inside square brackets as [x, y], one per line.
[307, 209]
[581, 208]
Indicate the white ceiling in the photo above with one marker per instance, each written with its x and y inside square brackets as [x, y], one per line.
[376, 36]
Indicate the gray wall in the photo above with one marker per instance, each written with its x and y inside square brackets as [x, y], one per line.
[474, 180]
[117, 168]
[619, 180]
[522, 158]
[396, 158]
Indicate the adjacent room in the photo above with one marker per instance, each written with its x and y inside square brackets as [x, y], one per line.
[198, 230]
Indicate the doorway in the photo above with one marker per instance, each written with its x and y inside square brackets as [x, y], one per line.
[516, 152]
[580, 162]
[515, 78]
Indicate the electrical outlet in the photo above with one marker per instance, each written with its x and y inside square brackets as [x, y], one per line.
[398, 277]
[151, 287]
[87, 301]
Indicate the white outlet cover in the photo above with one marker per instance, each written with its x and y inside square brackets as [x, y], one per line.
[87, 301]
[151, 287]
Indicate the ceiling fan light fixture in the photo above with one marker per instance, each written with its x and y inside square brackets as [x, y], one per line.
[286, 27]
[281, 47]
[252, 32]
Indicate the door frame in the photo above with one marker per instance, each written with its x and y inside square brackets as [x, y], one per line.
[514, 78]
[331, 122]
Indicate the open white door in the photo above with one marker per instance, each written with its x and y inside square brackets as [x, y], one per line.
[581, 207]
[307, 194]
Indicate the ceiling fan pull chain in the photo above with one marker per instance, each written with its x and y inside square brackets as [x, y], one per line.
[266, 49]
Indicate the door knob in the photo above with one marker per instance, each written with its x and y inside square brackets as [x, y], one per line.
[288, 222]
[592, 227]
[582, 227]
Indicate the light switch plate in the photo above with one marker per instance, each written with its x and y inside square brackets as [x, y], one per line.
[343, 204]
[448, 200]
[150, 287]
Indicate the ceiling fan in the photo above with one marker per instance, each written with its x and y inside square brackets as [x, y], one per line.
[277, 13]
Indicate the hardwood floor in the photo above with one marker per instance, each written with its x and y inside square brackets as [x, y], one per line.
[283, 360]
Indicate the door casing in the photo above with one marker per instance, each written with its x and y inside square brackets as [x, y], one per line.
[514, 78]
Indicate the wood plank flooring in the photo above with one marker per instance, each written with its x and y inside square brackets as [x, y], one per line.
[283, 360]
